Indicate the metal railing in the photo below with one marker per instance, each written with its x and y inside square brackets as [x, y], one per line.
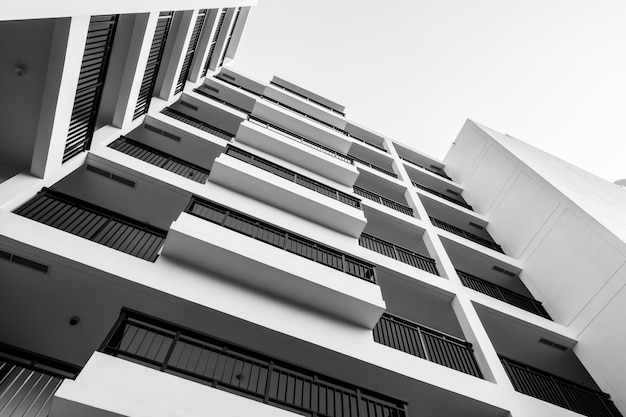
[556, 390]
[426, 343]
[292, 176]
[301, 139]
[198, 124]
[398, 253]
[307, 98]
[436, 171]
[219, 100]
[160, 159]
[503, 294]
[377, 168]
[461, 202]
[467, 235]
[281, 238]
[28, 382]
[94, 223]
[222, 365]
[191, 50]
[383, 200]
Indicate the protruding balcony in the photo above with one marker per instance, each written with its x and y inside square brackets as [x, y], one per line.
[299, 150]
[454, 198]
[560, 391]
[426, 343]
[95, 223]
[302, 270]
[269, 182]
[197, 123]
[503, 294]
[215, 98]
[383, 200]
[467, 235]
[398, 253]
[379, 163]
[435, 169]
[239, 371]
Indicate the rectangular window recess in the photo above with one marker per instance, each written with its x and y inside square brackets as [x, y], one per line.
[553, 344]
[476, 225]
[24, 262]
[161, 132]
[215, 90]
[504, 271]
[230, 77]
[189, 105]
[111, 176]
[451, 191]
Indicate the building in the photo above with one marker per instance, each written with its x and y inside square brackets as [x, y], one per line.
[179, 239]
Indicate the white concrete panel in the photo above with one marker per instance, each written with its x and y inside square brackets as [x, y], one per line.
[488, 180]
[110, 386]
[570, 266]
[464, 152]
[523, 211]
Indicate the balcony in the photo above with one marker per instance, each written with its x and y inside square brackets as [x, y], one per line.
[467, 235]
[197, 123]
[303, 270]
[278, 82]
[206, 360]
[94, 223]
[457, 199]
[160, 159]
[426, 343]
[219, 100]
[503, 294]
[556, 390]
[383, 200]
[398, 253]
[269, 182]
[28, 381]
[432, 168]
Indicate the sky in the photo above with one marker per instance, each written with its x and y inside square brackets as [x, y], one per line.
[549, 72]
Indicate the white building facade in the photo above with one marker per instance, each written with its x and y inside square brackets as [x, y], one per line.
[180, 239]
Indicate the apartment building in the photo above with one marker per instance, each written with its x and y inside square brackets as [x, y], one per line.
[180, 239]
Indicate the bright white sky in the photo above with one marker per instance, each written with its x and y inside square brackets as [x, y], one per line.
[549, 72]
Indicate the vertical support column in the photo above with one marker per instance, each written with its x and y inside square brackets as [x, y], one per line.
[174, 53]
[66, 54]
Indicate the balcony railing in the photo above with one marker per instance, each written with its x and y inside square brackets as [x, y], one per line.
[94, 223]
[436, 171]
[383, 200]
[280, 238]
[28, 382]
[556, 390]
[219, 100]
[198, 124]
[444, 196]
[467, 235]
[307, 98]
[160, 159]
[503, 294]
[222, 365]
[293, 176]
[398, 253]
[301, 139]
[426, 343]
[377, 168]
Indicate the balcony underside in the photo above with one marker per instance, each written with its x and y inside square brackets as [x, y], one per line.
[296, 279]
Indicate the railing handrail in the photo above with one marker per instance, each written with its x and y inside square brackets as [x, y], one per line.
[219, 100]
[37, 362]
[294, 176]
[375, 167]
[434, 171]
[426, 258]
[422, 262]
[383, 200]
[442, 195]
[301, 139]
[467, 235]
[349, 263]
[114, 345]
[307, 98]
[168, 111]
[434, 332]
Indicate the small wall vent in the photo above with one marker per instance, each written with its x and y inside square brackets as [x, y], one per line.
[504, 271]
[189, 105]
[476, 225]
[230, 77]
[111, 176]
[452, 192]
[215, 90]
[162, 132]
[553, 344]
[24, 262]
